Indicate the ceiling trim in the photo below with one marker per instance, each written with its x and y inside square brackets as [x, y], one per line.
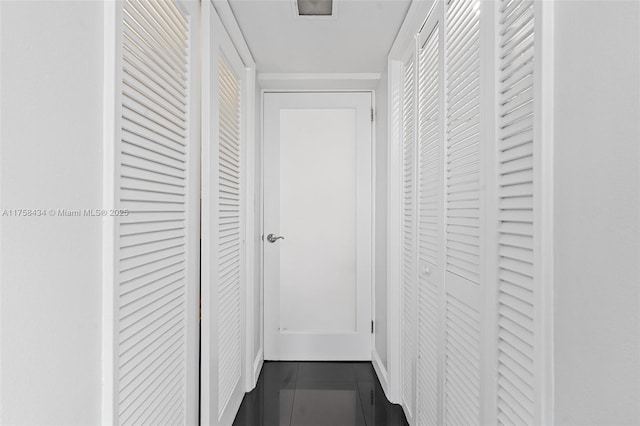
[319, 76]
[318, 81]
[411, 25]
[230, 23]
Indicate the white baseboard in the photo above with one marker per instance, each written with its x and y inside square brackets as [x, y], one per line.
[232, 406]
[257, 366]
[381, 372]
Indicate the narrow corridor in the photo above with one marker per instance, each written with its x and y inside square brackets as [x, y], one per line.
[447, 191]
[318, 394]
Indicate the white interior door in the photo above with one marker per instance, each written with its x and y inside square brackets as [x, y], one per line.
[464, 216]
[430, 193]
[317, 192]
[408, 232]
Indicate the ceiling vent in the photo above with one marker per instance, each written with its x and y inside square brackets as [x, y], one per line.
[315, 7]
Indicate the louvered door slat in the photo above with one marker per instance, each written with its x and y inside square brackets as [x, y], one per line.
[155, 33]
[158, 92]
[154, 76]
[149, 14]
[457, 13]
[169, 31]
[462, 363]
[147, 133]
[156, 148]
[229, 237]
[515, 214]
[141, 52]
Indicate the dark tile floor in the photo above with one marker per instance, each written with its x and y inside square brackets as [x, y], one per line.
[318, 394]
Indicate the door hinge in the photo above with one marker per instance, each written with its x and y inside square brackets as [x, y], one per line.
[371, 327]
[372, 115]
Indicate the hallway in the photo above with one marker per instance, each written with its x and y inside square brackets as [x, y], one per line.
[318, 394]
[320, 212]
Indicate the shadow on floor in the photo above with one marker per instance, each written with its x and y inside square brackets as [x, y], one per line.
[318, 394]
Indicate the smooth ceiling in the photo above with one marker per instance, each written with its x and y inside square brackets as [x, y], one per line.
[357, 40]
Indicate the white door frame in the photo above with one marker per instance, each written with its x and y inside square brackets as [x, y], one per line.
[370, 269]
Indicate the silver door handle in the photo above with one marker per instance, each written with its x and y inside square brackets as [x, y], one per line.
[272, 238]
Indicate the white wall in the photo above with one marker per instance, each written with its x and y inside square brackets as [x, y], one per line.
[51, 157]
[380, 276]
[597, 212]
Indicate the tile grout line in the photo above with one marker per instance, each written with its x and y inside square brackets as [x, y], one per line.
[364, 415]
[295, 388]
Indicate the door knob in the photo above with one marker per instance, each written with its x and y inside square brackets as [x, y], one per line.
[272, 238]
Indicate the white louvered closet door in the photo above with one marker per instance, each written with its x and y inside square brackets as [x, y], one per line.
[408, 231]
[430, 219]
[463, 215]
[472, 185]
[222, 383]
[230, 258]
[518, 392]
[156, 245]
